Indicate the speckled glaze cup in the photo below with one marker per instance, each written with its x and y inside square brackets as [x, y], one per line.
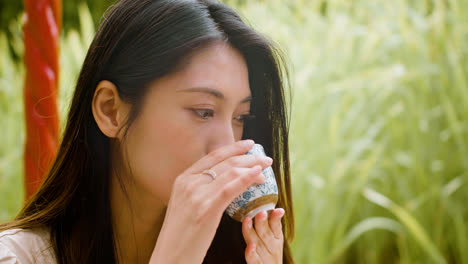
[258, 197]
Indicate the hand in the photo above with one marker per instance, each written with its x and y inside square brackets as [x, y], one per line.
[198, 201]
[265, 240]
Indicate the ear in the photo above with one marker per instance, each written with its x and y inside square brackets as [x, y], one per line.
[108, 110]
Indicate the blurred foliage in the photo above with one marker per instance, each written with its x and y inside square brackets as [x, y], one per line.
[73, 48]
[11, 9]
[379, 129]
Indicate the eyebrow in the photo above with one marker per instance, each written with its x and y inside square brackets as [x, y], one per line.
[213, 92]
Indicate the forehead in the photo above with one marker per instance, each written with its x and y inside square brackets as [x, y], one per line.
[218, 66]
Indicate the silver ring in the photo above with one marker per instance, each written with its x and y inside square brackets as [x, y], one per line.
[210, 172]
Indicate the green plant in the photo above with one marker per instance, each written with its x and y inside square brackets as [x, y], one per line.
[380, 102]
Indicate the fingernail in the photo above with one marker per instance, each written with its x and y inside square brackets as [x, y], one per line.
[262, 179]
[269, 160]
[247, 142]
[249, 223]
[282, 212]
[263, 216]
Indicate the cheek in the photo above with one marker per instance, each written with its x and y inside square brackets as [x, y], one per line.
[161, 147]
[238, 132]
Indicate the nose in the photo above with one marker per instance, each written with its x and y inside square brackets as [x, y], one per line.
[221, 135]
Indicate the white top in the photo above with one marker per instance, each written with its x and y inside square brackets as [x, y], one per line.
[22, 246]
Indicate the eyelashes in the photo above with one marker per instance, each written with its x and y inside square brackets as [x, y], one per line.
[206, 114]
[246, 117]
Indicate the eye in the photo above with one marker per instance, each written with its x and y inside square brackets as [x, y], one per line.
[206, 114]
[203, 113]
[242, 118]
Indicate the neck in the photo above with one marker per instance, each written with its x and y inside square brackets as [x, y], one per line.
[136, 222]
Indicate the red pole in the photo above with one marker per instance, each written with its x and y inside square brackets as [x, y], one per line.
[41, 42]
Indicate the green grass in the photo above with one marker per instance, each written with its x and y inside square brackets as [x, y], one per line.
[379, 132]
[11, 148]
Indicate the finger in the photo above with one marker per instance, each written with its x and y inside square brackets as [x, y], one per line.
[262, 227]
[251, 237]
[241, 175]
[251, 255]
[275, 223]
[242, 161]
[208, 161]
[247, 231]
[234, 183]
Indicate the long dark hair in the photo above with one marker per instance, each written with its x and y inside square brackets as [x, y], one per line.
[137, 42]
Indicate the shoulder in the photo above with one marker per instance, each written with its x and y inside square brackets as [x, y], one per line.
[26, 246]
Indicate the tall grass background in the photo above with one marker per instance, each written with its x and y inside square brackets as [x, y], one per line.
[379, 129]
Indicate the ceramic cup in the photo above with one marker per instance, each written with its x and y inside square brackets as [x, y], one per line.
[258, 197]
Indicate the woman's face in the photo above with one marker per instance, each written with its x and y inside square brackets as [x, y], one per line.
[186, 115]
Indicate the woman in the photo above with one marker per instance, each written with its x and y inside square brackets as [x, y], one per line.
[168, 89]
